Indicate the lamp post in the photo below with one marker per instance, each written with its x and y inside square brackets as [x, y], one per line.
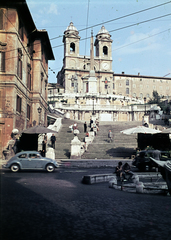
[145, 104]
[93, 97]
[39, 111]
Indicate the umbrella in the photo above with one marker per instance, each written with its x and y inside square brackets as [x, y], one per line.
[160, 163]
[140, 129]
[167, 130]
[38, 130]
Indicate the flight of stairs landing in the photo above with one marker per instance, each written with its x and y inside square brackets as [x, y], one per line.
[123, 145]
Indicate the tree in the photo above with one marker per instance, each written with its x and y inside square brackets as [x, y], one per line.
[155, 99]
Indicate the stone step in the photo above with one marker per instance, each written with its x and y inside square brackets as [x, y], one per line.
[122, 146]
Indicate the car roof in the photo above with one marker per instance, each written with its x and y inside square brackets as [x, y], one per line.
[27, 152]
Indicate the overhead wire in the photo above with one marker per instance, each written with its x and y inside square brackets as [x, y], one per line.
[145, 21]
[127, 15]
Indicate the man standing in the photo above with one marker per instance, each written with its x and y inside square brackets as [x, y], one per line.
[53, 140]
[110, 136]
[85, 127]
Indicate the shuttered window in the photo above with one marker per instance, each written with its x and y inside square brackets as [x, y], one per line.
[18, 104]
[2, 61]
[1, 20]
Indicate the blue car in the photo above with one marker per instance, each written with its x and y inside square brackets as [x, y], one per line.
[30, 160]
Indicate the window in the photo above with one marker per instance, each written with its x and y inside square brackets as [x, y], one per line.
[127, 82]
[87, 87]
[2, 61]
[42, 76]
[19, 64]
[113, 86]
[1, 20]
[29, 76]
[106, 86]
[28, 112]
[72, 47]
[105, 50]
[0, 100]
[18, 107]
[22, 156]
[21, 30]
[127, 90]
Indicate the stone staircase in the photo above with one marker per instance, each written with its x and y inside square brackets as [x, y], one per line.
[123, 146]
[64, 137]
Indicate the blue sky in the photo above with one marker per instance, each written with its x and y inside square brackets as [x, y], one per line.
[143, 48]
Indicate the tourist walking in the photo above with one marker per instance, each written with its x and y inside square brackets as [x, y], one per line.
[53, 140]
[110, 136]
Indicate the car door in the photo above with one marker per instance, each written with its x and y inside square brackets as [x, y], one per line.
[23, 159]
[34, 161]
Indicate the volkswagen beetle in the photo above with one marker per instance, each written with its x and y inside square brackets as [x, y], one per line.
[30, 160]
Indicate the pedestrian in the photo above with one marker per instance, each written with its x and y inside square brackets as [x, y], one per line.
[91, 122]
[97, 123]
[127, 171]
[75, 126]
[43, 149]
[119, 170]
[53, 140]
[87, 134]
[110, 136]
[85, 127]
[45, 138]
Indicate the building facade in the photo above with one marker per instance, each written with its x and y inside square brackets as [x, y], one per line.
[74, 75]
[24, 55]
[90, 86]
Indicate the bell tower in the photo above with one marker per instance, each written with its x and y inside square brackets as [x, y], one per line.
[71, 41]
[103, 44]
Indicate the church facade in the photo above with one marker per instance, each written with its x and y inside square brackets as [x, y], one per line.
[91, 86]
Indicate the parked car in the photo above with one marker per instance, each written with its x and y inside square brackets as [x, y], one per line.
[143, 162]
[30, 160]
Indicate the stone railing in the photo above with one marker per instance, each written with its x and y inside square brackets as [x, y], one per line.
[78, 147]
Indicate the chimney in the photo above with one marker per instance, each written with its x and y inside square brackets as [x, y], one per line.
[138, 74]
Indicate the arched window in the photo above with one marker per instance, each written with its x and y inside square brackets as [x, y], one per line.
[105, 51]
[72, 47]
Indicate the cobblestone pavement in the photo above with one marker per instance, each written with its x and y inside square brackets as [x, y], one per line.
[43, 206]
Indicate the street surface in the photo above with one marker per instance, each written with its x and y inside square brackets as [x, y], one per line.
[39, 205]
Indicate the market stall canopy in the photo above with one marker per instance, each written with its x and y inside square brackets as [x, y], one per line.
[167, 130]
[38, 130]
[140, 129]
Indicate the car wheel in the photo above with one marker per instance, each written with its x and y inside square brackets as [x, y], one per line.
[50, 168]
[15, 167]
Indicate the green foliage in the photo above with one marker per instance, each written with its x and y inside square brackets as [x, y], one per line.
[155, 99]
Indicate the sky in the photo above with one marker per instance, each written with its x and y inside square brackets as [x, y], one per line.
[140, 44]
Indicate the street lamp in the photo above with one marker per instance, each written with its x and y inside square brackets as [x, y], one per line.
[145, 104]
[39, 111]
[93, 97]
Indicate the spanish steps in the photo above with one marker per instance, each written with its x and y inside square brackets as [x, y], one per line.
[123, 146]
